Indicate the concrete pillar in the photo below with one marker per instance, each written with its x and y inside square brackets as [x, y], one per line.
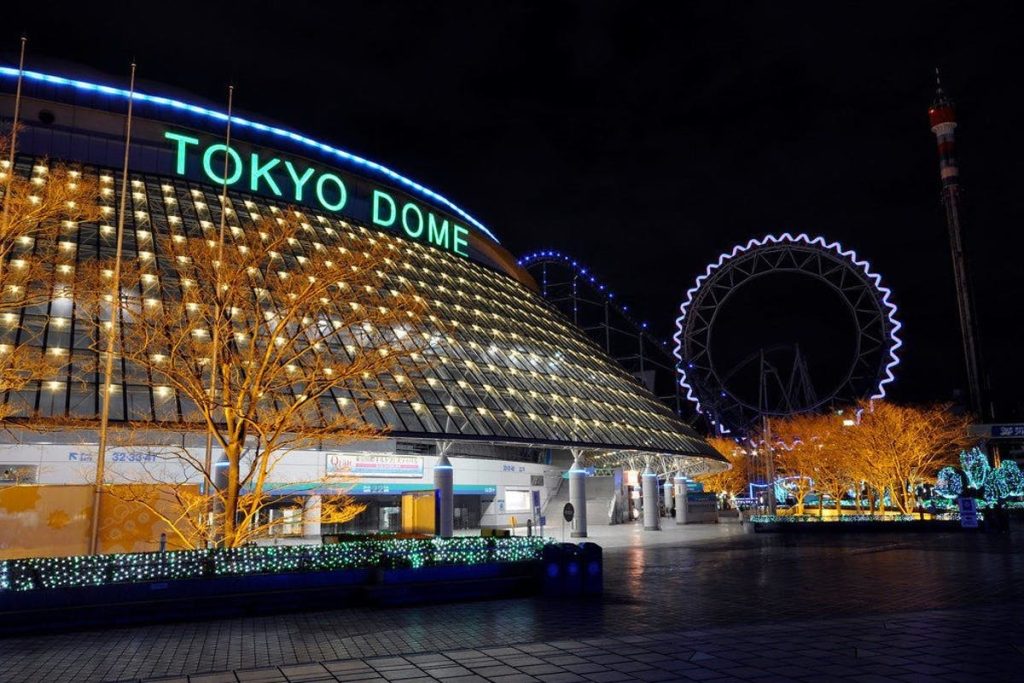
[682, 508]
[667, 491]
[578, 496]
[651, 500]
[444, 501]
[312, 512]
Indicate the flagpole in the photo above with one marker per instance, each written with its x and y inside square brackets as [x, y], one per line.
[17, 111]
[115, 316]
[214, 359]
[14, 139]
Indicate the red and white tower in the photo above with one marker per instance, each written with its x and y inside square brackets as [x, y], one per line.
[943, 120]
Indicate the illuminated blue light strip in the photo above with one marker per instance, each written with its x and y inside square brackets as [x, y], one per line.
[894, 341]
[551, 256]
[245, 123]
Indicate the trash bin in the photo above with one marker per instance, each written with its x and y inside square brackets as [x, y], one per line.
[572, 570]
[552, 559]
[592, 564]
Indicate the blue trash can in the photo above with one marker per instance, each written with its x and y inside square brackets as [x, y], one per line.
[572, 570]
[592, 563]
[552, 560]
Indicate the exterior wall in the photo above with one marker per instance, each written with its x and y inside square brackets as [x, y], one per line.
[606, 502]
[524, 345]
[51, 521]
[51, 514]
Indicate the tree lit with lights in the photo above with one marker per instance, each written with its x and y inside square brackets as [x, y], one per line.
[301, 334]
[36, 209]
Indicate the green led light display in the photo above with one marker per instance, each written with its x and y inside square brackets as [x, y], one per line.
[974, 464]
[949, 483]
[414, 224]
[264, 172]
[788, 519]
[101, 570]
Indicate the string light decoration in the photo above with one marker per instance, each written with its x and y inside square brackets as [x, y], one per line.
[1003, 482]
[1013, 478]
[584, 273]
[994, 484]
[974, 464]
[101, 570]
[788, 519]
[949, 483]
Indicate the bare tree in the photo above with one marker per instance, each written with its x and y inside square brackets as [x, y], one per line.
[734, 480]
[36, 210]
[835, 471]
[810, 448]
[890, 450]
[312, 325]
[166, 491]
[900, 447]
[799, 441]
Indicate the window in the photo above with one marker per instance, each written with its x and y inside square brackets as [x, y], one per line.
[517, 500]
[18, 474]
[494, 359]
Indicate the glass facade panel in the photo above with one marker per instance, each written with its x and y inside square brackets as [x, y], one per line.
[507, 367]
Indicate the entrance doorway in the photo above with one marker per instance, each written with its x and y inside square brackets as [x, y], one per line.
[390, 518]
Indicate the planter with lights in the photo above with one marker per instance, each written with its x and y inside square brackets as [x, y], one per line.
[97, 590]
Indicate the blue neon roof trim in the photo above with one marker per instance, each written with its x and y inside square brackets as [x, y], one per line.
[159, 100]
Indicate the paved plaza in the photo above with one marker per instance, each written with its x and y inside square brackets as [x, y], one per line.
[706, 604]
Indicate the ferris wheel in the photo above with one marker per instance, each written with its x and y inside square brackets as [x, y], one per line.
[874, 347]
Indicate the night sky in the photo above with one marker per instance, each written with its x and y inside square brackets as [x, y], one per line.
[644, 138]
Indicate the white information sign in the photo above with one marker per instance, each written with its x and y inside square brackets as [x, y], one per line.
[968, 513]
[373, 465]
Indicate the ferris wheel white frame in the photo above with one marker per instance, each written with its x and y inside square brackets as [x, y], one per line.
[833, 254]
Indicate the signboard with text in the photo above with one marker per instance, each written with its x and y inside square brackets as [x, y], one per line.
[968, 512]
[1010, 431]
[371, 465]
[376, 489]
[291, 179]
[398, 489]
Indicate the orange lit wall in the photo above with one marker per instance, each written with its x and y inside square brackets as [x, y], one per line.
[418, 513]
[51, 521]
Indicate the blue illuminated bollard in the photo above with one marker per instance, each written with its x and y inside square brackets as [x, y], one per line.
[592, 566]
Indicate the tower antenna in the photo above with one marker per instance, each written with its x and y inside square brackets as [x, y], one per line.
[942, 117]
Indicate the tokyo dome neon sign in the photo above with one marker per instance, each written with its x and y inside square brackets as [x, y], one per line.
[263, 172]
[175, 105]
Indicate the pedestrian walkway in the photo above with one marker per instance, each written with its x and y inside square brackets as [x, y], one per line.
[959, 645]
[784, 606]
[633, 534]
